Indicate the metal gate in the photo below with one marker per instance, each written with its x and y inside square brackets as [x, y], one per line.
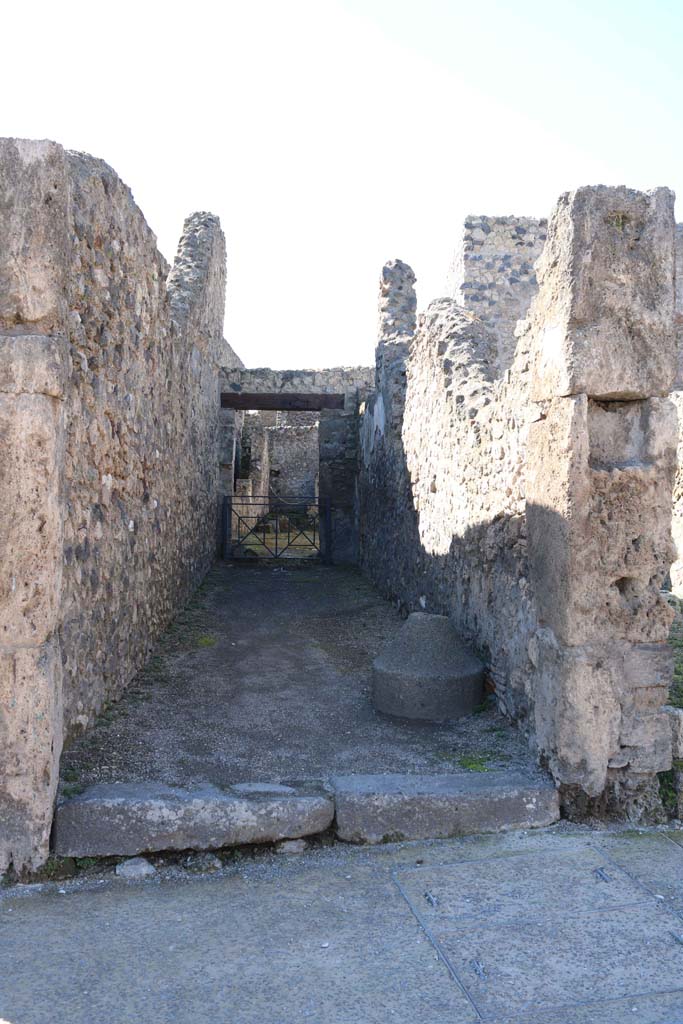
[272, 526]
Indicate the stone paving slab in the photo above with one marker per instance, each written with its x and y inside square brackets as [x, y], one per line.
[314, 947]
[557, 961]
[514, 890]
[654, 861]
[664, 1008]
[327, 937]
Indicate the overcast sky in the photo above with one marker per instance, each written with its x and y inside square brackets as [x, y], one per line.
[332, 135]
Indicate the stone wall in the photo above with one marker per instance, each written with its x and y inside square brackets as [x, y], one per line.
[340, 380]
[109, 380]
[535, 508]
[34, 371]
[255, 451]
[600, 472]
[441, 487]
[294, 460]
[677, 399]
[493, 274]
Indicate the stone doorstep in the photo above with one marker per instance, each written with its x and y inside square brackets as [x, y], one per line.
[131, 818]
[384, 808]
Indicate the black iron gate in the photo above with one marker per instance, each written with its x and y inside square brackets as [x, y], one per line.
[272, 526]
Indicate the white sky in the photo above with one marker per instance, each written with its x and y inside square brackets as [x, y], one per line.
[332, 135]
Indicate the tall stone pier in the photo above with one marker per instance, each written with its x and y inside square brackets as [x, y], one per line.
[34, 366]
[600, 469]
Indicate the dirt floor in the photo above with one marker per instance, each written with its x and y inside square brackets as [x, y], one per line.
[265, 677]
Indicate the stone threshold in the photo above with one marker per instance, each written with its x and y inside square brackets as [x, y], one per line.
[131, 818]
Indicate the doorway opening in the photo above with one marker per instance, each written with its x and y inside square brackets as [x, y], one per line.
[276, 510]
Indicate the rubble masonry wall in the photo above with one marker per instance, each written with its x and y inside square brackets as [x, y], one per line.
[534, 507]
[109, 415]
[493, 274]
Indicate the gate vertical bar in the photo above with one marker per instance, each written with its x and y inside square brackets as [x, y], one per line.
[226, 526]
[327, 545]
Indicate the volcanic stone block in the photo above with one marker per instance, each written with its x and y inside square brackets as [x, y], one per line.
[427, 672]
[31, 743]
[675, 720]
[35, 364]
[576, 712]
[598, 706]
[603, 322]
[122, 820]
[380, 808]
[34, 235]
[31, 454]
[599, 485]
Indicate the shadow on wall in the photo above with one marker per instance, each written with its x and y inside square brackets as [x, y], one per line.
[535, 508]
[592, 713]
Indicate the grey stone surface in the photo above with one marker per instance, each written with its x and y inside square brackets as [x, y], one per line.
[291, 846]
[380, 808]
[348, 934]
[135, 869]
[128, 819]
[621, 953]
[427, 672]
[464, 894]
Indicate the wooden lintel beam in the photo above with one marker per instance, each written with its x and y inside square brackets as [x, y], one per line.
[290, 402]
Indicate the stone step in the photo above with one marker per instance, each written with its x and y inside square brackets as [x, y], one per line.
[390, 808]
[427, 672]
[125, 819]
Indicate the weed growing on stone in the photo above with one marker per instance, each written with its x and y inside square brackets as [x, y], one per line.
[473, 762]
[205, 641]
[72, 789]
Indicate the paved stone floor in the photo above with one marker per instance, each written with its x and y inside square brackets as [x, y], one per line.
[557, 926]
[266, 677]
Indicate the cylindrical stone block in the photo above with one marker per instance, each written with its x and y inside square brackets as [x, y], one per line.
[427, 673]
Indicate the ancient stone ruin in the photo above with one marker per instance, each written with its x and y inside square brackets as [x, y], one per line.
[510, 462]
